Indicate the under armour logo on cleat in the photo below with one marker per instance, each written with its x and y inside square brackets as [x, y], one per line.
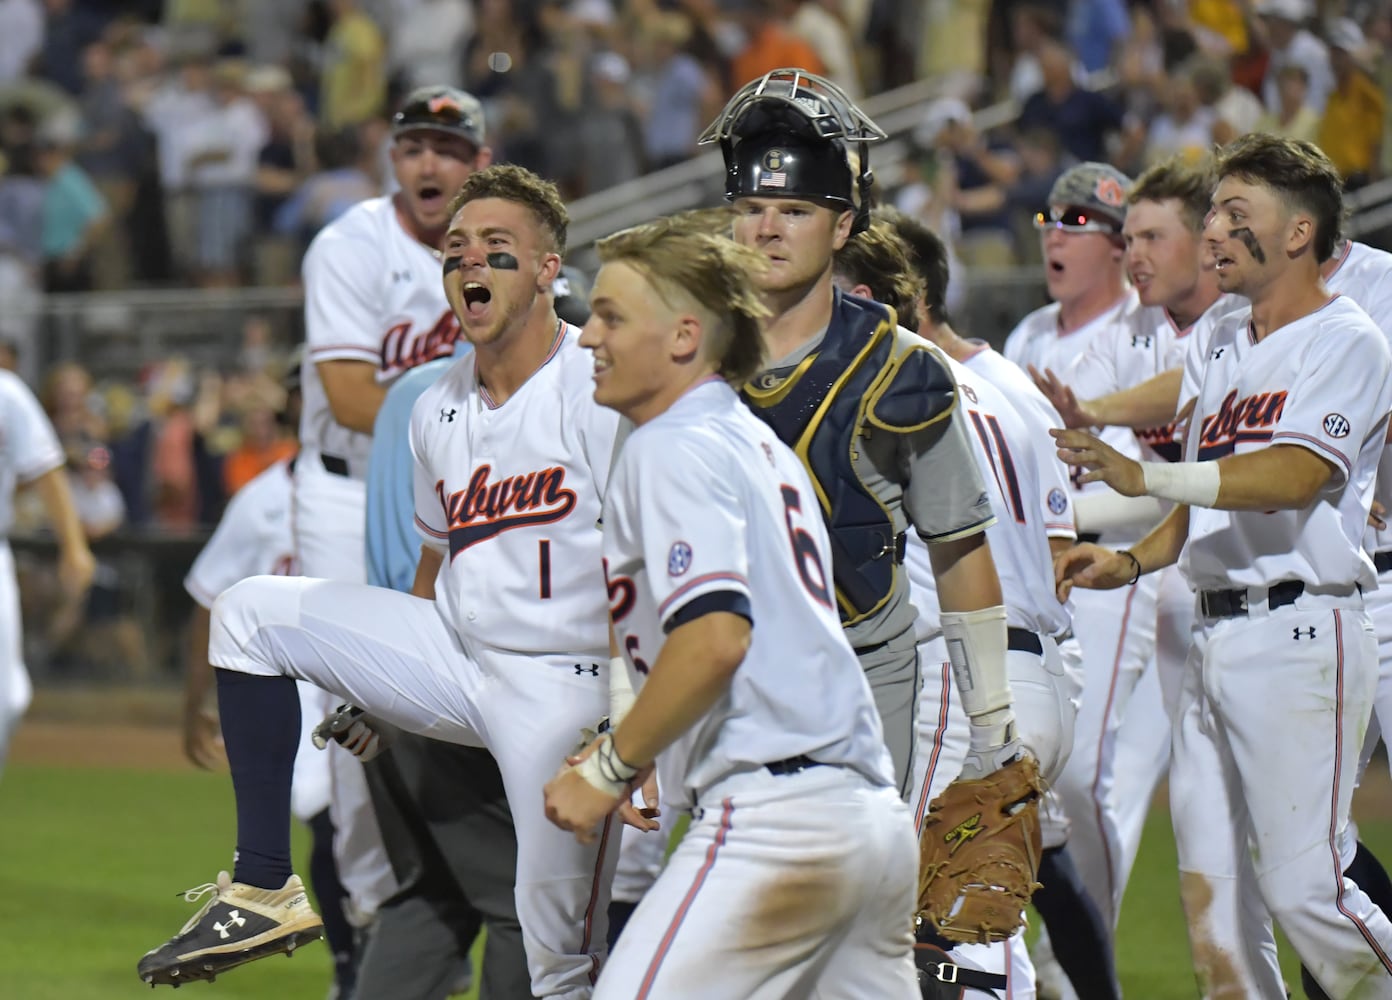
[447, 416]
[234, 918]
[1303, 633]
[583, 668]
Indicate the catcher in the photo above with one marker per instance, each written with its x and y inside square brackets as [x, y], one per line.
[872, 412]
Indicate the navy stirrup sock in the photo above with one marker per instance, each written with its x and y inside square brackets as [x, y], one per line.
[261, 731]
[1081, 942]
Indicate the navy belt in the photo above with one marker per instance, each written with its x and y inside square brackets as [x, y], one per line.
[1383, 561]
[334, 464]
[1233, 603]
[1022, 640]
[792, 765]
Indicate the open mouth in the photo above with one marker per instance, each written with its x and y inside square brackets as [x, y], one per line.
[476, 298]
[1055, 267]
[1222, 263]
[430, 196]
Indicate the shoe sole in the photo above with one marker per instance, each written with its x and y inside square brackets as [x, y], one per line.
[207, 967]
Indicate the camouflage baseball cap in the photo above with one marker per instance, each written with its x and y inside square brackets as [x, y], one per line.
[1097, 188]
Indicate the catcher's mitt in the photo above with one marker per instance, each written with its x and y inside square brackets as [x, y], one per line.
[979, 854]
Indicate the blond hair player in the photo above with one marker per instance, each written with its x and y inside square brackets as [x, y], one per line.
[751, 703]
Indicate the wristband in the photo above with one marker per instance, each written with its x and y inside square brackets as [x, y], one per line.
[1192, 483]
[605, 770]
[1135, 563]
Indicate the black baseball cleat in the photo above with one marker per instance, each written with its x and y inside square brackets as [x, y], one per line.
[240, 924]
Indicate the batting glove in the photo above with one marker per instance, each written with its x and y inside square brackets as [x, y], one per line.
[362, 735]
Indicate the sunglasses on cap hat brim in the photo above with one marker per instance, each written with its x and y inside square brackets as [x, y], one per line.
[1075, 220]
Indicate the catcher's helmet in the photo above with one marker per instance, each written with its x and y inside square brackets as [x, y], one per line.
[441, 109]
[790, 133]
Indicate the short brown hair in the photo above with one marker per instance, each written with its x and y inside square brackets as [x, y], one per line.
[1189, 184]
[518, 184]
[1298, 172]
[927, 255]
[880, 260]
[682, 259]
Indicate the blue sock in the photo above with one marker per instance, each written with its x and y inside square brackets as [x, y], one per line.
[261, 730]
[1080, 939]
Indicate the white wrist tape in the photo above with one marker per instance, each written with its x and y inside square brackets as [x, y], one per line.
[976, 648]
[621, 696]
[605, 770]
[1102, 511]
[1192, 483]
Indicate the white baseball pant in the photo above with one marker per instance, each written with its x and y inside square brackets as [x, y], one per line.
[393, 655]
[15, 688]
[330, 524]
[640, 860]
[762, 899]
[1272, 715]
[1116, 630]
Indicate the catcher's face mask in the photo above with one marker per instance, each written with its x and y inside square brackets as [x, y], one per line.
[790, 134]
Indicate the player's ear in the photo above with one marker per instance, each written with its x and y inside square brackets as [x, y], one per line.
[550, 267]
[863, 291]
[688, 337]
[844, 222]
[1300, 234]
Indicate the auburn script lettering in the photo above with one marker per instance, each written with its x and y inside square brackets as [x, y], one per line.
[488, 506]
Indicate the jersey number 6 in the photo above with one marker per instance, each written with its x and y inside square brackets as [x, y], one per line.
[809, 560]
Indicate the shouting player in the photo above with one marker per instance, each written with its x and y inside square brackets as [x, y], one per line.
[750, 700]
[1272, 498]
[504, 641]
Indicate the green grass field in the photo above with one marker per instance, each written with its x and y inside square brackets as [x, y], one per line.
[91, 861]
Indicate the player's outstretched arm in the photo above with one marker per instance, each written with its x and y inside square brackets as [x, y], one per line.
[1093, 567]
[1148, 404]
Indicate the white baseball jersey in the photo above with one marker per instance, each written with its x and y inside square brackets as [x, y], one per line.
[1028, 487]
[1036, 341]
[1322, 383]
[499, 489]
[372, 293]
[253, 538]
[28, 446]
[709, 510]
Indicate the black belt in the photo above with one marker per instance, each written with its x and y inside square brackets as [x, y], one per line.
[334, 464]
[1383, 561]
[1022, 640]
[1233, 603]
[792, 765]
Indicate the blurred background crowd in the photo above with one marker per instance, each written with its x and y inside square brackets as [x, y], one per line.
[168, 161]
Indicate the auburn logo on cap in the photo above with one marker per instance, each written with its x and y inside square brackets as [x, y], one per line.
[1109, 192]
[440, 103]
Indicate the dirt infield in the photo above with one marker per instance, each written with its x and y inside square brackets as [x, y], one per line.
[86, 744]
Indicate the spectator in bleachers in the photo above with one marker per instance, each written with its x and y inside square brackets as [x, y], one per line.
[1292, 115]
[979, 174]
[611, 138]
[70, 401]
[341, 181]
[287, 157]
[21, 36]
[1185, 126]
[173, 470]
[1041, 163]
[425, 44]
[21, 255]
[1084, 119]
[677, 95]
[75, 215]
[353, 79]
[1281, 25]
[1351, 131]
[1236, 110]
[1094, 29]
[769, 43]
[1032, 24]
[263, 443]
[822, 24]
[69, 27]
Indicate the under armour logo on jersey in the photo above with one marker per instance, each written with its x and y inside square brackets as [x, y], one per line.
[1303, 633]
[1336, 425]
[447, 416]
[1141, 340]
[234, 919]
[581, 669]
[1216, 353]
[484, 509]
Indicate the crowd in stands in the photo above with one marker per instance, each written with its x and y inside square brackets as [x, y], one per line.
[203, 143]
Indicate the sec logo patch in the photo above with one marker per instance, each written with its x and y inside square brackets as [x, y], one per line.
[1336, 425]
[1058, 503]
[678, 559]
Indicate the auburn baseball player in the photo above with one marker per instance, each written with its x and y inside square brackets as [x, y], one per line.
[373, 309]
[1273, 496]
[867, 406]
[1024, 477]
[30, 456]
[253, 538]
[512, 456]
[1084, 268]
[722, 593]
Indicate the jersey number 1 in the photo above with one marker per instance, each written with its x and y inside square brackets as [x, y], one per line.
[805, 554]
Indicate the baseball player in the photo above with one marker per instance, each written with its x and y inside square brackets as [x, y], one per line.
[30, 456]
[1272, 498]
[512, 456]
[750, 701]
[373, 310]
[867, 406]
[1025, 477]
[253, 538]
[1084, 269]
